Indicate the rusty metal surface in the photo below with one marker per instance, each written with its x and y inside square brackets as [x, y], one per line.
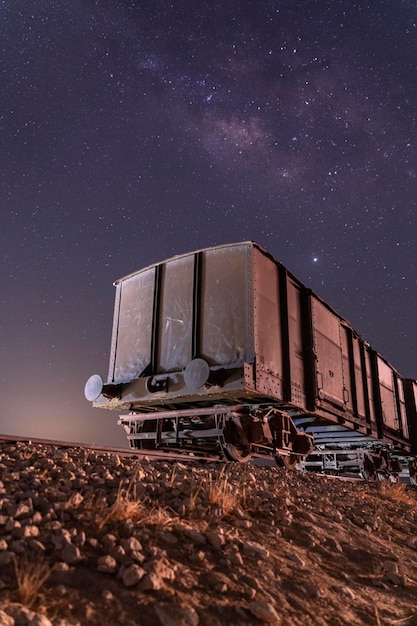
[230, 324]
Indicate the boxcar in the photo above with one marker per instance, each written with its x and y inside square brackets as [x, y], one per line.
[224, 352]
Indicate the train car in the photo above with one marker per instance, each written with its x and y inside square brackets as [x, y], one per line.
[223, 352]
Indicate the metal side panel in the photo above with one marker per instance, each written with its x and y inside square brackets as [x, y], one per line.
[401, 408]
[226, 305]
[410, 393]
[328, 351]
[267, 326]
[369, 389]
[176, 315]
[390, 418]
[132, 331]
[297, 352]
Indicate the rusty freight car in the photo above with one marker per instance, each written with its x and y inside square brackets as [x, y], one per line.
[223, 352]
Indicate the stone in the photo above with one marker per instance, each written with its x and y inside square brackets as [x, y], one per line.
[132, 544]
[174, 615]
[70, 554]
[160, 568]
[295, 558]
[265, 612]
[132, 575]
[74, 500]
[40, 620]
[107, 564]
[6, 620]
[215, 539]
[36, 546]
[255, 549]
[151, 582]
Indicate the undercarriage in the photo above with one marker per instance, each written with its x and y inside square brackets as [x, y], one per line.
[234, 433]
[374, 462]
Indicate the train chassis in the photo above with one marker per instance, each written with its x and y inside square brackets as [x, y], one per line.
[240, 432]
[234, 433]
[375, 462]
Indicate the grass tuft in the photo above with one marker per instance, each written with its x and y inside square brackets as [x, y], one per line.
[223, 494]
[30, 577]
[396, 492]
[127, 507]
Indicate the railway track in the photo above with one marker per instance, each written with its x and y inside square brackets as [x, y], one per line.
[154, 454]
[125, 452]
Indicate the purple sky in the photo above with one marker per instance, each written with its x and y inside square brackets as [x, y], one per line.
[132, 131]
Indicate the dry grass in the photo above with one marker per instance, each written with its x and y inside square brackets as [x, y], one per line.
[397, 492]
[30, 577]
[224, 495]
[127, 507]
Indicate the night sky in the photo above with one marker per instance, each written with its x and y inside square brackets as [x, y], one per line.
[132, 131]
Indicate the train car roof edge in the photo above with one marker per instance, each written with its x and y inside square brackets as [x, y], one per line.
[185, 254]
[252, 243]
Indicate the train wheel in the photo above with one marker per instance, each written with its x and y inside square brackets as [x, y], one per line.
[368, 474]
[241, 454]
[289, 461]
[233, 448]
[369, 469]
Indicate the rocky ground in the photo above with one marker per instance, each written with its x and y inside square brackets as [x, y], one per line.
[93, 539]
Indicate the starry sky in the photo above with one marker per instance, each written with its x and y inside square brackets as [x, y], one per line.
[132, 131]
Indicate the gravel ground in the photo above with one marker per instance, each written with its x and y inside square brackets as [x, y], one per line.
[93, 539]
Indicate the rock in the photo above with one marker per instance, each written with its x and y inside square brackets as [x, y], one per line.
[6, 620]
[174, 615]
[264, 611]
[70, 554]
[21, 614]
[312, 590]
[107, 595]
[22, 510]
[215, 580]
[347, 591]
[107, 564]
[61, 538]
[132, 575]
[132, 544]
[109, 540]
[255, 549]
[40, 620]
[151, 582]
[160, 568]
[195, 536]
[36, 546]
[74, 500]
[168, 537]
[215, 539]
[295, 558]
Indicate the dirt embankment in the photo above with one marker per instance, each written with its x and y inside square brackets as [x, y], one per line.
[92, 539]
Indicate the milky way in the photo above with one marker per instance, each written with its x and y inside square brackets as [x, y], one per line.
[132, 131]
